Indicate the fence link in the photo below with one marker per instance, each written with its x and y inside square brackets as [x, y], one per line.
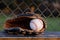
[49, 9]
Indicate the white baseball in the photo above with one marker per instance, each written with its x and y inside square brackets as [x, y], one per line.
[36, 25]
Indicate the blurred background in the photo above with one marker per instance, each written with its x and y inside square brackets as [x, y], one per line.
[48, 9]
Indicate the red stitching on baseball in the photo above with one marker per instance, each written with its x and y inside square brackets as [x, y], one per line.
[35, 25]
[42, 21]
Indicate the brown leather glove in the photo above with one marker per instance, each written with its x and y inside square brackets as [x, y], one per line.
[20, 25]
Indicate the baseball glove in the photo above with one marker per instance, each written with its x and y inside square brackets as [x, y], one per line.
[20, 25]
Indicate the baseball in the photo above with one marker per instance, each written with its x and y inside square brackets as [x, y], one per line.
[36, 25]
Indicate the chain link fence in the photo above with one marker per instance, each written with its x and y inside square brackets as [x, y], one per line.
[49, 9]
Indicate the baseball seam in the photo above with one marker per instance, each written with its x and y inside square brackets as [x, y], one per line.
[43, 24]
[35, 25]
[41, 20]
